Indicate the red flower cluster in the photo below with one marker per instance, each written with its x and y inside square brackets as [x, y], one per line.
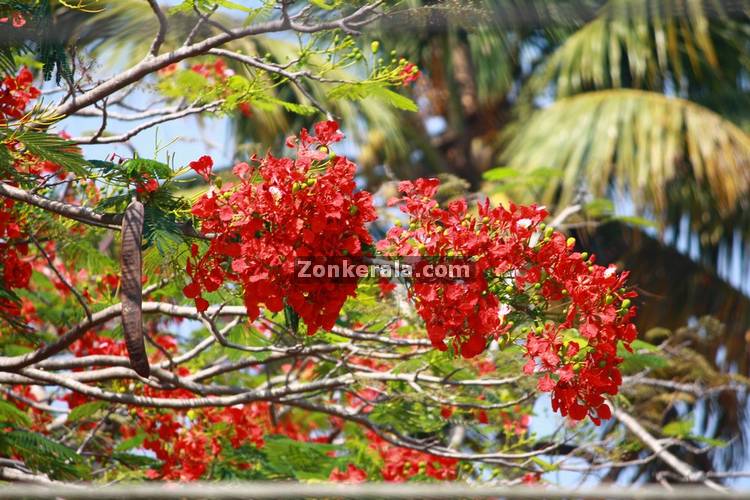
[401, 464]
[461, 311]
[581, 352]
[15, 271]
[352, 474]
[187, 450]
[146, 184]
[15, 94]
[410, 73]
[520, 270]
[203, 166]
[283, 209]
[217, 70]
[17, 20]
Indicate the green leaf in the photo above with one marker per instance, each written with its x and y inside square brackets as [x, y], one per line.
[395, 99]
[323, 4]
[134, 442]
[299, 459]
[642, 345]
[678, 429]
[234, 6]
[9, 413]
[638, 360]
[49, 147]
[716, 443]
[501, 173]
[268, 103]
[546, 466]
[44, 454]
[154, 168]
[105, 166]
[407, 416]
[86, 410]
[599, 207]
[635, 221]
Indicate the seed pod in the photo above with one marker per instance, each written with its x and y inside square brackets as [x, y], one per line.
[131, 265]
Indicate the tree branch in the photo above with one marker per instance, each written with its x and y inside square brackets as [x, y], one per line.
[162, 33]
[682, 468]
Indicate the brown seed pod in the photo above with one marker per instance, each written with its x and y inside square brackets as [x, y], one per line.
[131, 265]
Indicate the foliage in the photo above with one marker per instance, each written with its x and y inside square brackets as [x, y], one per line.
[255, 374]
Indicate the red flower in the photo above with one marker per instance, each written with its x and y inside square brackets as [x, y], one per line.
[18, 20]
[328, 132]
[386, 287]
[530, 478]
[409, 74]
[203, 166]
[283, 209]
[15, 94]
[146, 185]
[245, 109]
[515, 261]
[400, 464]
[352, 474]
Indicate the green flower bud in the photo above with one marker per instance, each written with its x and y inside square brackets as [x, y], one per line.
[375, 46]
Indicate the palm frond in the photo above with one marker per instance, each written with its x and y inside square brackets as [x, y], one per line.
[649, 44]
[641, 141]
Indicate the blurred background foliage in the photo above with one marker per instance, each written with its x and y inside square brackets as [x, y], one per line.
[635, 111]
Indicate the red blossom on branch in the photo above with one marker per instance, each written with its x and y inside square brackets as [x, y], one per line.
[16, 93]
[303, 206]
[203, 166]
[521, 268]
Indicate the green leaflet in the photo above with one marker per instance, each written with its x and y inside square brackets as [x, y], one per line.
[356, 91]
[86, 410]
[47, 147]
[9, 413]
[299, 459]
[44, 454]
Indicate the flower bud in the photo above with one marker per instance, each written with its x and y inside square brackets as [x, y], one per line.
[375, 46]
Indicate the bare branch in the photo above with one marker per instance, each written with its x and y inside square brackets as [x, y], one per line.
[95, 139]
[272, 68]
[684, 469]
[162, 33]
[81, 214]
[62, 278]
[151, 64]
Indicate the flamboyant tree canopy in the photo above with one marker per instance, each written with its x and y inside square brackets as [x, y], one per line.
[153, 322]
